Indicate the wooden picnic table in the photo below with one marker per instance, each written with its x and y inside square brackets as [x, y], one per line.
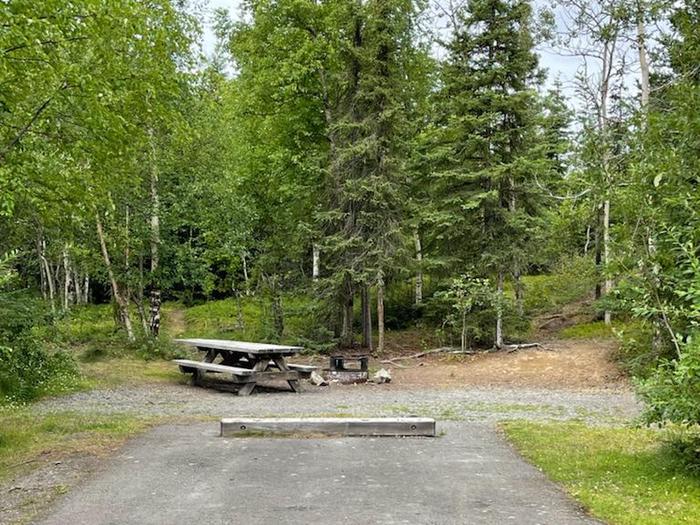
[247, 363]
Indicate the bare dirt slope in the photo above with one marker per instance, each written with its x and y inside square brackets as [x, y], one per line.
[560, 364]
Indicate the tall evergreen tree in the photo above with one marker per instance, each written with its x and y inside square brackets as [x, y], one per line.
[363, 217]
[486, 132]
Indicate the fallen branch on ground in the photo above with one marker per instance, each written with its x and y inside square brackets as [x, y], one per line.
[442, 350]
[515, 348]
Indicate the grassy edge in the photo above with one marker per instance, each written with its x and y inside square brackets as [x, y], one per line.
[621, 475]
[29, 440]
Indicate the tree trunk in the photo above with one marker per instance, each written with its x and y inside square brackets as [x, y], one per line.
[419, 270]
[499, 311]
[643, 60]
[606, 255]
[127, 249]
[138, 302]
[464, 331]
[67, 280]
[42, 277]
[346, 330]
[519, 291]
[380, 313]
[154, 325]
[245, 273]
[316, 271]
[155, 296]
[48, 276]
[86, 289]
[272, 285]
[598, 256]
[366, 318]
[77, 290]
[121, 302]
[138, 299]
[516, 264]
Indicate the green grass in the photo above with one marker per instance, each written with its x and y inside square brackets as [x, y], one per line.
[220, 319]
[594, 330]
[572, 281]
[28, 439]
[112, 372]
[624, 476]
[599, 330]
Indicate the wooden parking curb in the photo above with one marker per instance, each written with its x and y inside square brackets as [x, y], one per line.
[340, 426]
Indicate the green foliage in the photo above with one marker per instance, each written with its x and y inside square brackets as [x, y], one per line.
[464, 295]
[683, 443]
[246, 319]
[624, 476]
[28, 368]
[571, 280]
[673, 392]
[663, 259]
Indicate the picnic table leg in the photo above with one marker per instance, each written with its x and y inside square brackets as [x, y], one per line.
[282, 365]
[210, 355]
[198, 375]
[247, 389]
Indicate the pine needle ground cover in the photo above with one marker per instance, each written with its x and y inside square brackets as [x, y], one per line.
[624, 476]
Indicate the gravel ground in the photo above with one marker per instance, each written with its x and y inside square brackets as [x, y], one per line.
[488, 404]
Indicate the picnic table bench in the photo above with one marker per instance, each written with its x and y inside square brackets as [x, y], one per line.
[246, 363]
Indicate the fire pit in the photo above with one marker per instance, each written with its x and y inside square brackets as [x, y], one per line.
[357, 372]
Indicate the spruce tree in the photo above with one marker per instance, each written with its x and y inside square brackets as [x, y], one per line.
[363, 217]
[486, 136]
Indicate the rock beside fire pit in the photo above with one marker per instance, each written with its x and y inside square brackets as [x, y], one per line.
[382, 376]
[317, 379]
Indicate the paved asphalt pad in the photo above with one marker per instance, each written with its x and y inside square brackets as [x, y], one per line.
[187, 474]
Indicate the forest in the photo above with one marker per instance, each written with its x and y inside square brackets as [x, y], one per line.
[352, 168]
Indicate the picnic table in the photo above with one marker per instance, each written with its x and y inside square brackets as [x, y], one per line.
[246, 363]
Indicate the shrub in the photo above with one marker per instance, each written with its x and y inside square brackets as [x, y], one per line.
[28, 371]
[28, 368]
[672, 394]
[683, 443]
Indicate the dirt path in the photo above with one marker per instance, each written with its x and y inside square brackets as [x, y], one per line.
[174, 322]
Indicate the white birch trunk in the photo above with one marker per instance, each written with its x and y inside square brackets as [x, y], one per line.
[499, 311]
[155, 296]
[419, 271]
[122, 303]
[77, 291]
[606, 255]
[380, 313]
[643, 59]
[316, 271]
[245, 273]
[49, 276]
[67, 279]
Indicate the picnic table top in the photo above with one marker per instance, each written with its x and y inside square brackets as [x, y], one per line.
[241, 346]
